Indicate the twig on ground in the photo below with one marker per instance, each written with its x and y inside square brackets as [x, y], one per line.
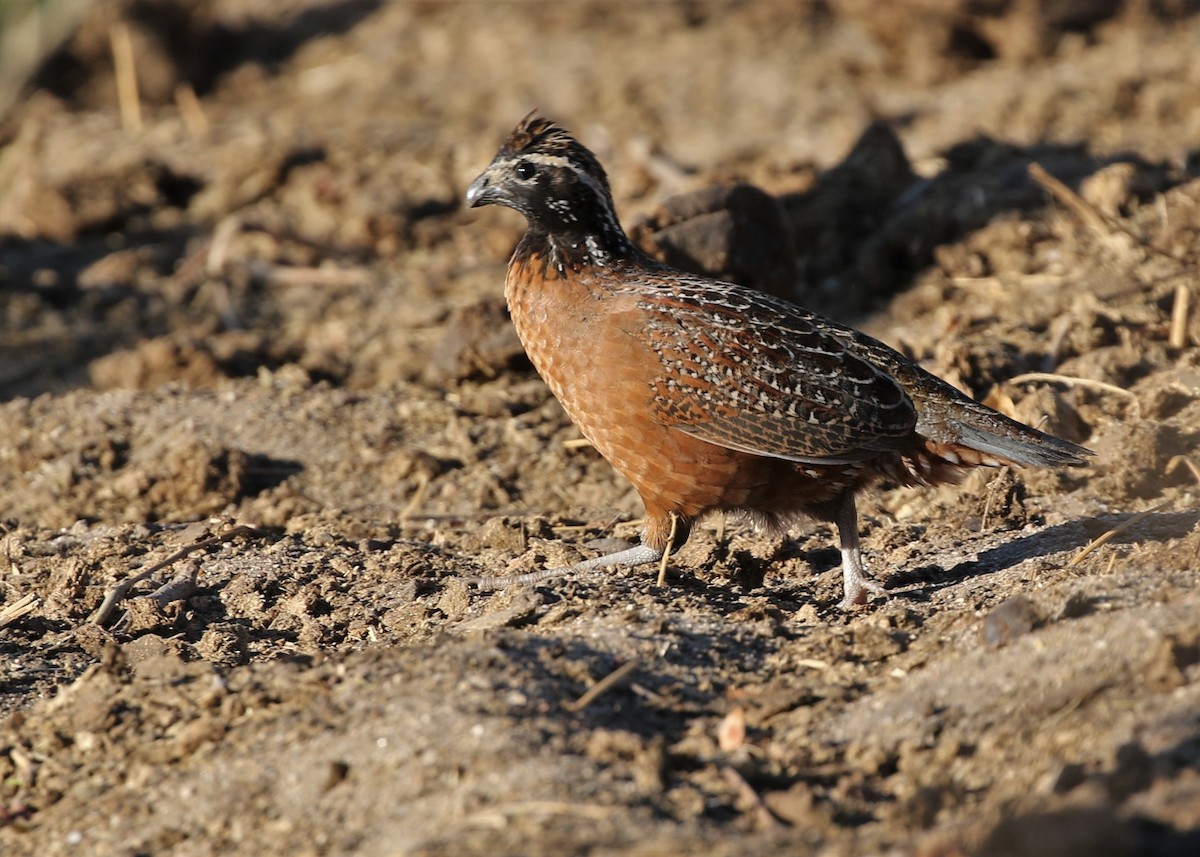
[1059, 328]
[762, 812]
[1091, 216]
[1179, 316]
[605, 684]
[662, 566]
[1084, 210]
[119, 592]
[596, 812]
[991, 494]
[647, 694]
[23, 606]
[178, 588]
[1182, 461]
[190, 111]
[812, 663]
[154, 604]
[218, 249]
[1116, 531]
[417, 497]
[125, 70]
[1071, 381]
[313, 277]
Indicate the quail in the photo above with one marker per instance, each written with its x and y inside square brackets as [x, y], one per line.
[712, 397]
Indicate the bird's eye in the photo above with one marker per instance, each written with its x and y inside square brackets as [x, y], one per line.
[525, 171]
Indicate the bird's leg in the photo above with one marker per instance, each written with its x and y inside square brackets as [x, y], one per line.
[854, 575]
[664, 534]
[628, 558]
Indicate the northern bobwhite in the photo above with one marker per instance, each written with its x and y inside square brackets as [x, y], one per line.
[709, 396]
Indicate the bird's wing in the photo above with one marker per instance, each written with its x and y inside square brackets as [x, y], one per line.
[746, 371]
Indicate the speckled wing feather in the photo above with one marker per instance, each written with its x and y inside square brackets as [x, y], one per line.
[745, 371]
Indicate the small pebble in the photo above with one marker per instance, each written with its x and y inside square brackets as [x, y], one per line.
[1011, 619]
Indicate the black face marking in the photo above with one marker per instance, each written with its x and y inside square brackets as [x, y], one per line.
[562, 190]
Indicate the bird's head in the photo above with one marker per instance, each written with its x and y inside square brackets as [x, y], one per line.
[551, 178]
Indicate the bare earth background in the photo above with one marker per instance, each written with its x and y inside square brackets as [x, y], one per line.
[266, 307]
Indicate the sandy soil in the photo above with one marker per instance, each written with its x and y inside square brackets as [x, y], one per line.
[252, 355]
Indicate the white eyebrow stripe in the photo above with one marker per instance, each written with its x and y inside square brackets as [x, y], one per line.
[560, 161]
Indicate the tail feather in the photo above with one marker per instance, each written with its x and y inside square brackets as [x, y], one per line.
[991, 433]
[1031, 447]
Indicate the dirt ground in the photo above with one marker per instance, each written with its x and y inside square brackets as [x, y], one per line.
[251, 353]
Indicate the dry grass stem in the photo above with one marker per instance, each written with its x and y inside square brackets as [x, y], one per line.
[1092, 217]
[119, 592]
[418, 495]
[190, 111]
[1179, 316]
[1116, 531]
[218, 250]
[1183, 461]
[23, 606]
[662, 566]
[762, 814]
[595, 812]
[1069, 381]
[180, 587]
[1084, 210]
[991, 495]
[125, 71]
[601, 687]
[306, 277]
[812, 663]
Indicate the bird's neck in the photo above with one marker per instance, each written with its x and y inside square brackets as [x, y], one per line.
[565, 250]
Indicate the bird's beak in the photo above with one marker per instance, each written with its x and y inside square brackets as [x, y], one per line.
[482, 191]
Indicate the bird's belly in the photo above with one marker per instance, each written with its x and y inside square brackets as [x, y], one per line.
[602, 376]
[599, 379]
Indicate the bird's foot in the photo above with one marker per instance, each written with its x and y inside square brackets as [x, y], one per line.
[859, 588]
[629, 558]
